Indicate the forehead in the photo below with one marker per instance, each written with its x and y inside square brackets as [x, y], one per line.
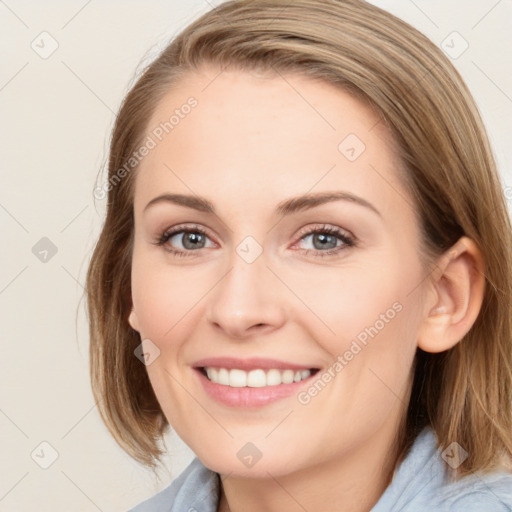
[269, 136]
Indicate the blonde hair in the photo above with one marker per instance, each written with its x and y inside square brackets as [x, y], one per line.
[465, 393]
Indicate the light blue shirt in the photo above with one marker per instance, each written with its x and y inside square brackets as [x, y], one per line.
[420, 484]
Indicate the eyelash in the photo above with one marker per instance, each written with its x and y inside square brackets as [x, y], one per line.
[347, 240]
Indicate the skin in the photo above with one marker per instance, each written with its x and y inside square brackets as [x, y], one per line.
[252, 142]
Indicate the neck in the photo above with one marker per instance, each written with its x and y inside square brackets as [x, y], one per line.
[351, 483]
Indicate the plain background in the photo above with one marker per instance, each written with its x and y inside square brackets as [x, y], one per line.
[56, 117]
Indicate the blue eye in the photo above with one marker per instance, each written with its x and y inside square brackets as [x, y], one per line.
[326, 240]
[191, 239]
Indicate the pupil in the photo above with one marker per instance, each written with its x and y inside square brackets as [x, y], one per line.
[192, 240]
[324, 240]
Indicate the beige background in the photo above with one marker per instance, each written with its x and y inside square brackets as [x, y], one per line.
[56, 116]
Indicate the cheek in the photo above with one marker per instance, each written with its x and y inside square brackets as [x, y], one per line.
[167, 301]
[369, 317]
[371, 347]
[343, 302]
[164, 298]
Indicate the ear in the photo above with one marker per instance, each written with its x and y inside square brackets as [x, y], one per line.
[454, 298]
[133, 320]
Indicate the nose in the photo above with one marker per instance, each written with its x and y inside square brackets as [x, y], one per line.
[247, 301]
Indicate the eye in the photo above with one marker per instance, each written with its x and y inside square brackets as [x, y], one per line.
[326, 241]
[323, 240]
[182, 241]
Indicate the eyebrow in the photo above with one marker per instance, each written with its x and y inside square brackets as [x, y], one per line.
[286, 207]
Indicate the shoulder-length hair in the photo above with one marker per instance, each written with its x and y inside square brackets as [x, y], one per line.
[464, 393]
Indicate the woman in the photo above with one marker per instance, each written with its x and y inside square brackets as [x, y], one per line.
[305, 269]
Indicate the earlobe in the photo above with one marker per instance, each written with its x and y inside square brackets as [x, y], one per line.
[455, 299]
[133, 321]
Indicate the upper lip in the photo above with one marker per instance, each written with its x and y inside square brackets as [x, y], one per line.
[253, 363]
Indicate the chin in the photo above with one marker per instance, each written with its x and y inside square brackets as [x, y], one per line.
[251, 462]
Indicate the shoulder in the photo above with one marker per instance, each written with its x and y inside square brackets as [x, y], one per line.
[196, 488]
[422, 482]
[489, 492]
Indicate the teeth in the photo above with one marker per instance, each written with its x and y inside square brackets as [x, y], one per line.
[287, 376]
[223, 377]
[274, 378]
[236, 378]
[256, 379]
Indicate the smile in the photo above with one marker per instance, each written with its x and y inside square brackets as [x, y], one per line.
[258, 378]
[251, 383]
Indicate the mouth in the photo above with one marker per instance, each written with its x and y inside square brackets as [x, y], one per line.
[257, 378]
[253, 382]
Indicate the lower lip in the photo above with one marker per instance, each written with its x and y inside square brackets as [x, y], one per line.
[249, 397]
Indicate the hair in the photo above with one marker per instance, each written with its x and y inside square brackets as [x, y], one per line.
[465, 393]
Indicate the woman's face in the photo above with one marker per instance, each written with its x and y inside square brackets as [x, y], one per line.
[288, 250]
